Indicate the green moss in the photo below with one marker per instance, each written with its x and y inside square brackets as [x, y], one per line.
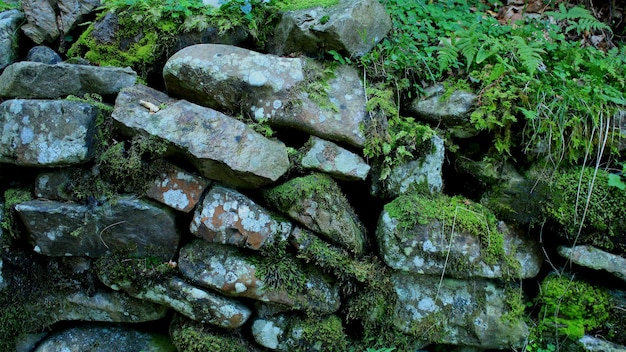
[13, 196]
[285, 195]
[571, 308]
[604, 222]
[316, 334]
[191, 336]
[279, 270]
[293, 5]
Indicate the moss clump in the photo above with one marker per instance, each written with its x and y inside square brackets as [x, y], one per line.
[570, 308]
[458, 214]
[191, 336]
[315, 334]
[13, 196]
[293, 5]
[587, 210]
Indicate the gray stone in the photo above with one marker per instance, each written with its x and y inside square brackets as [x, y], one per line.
[108, 306]
[456, 312]
[453, 113]
[44, 55]
[42, 81]
[328, 157]
[432, 246]
[56, 184]
[28, 342]
[9, 22]
[233, 272]
[177, 188]
[227, 216]
[352, 28]
[338, 114]
[71, 229]
[594, 258]
[105, 339]
[222, 148]
[620, 122]
[288, 333]
[46, 133]
[317, 202]
[47, 20]
[424, 172]
[200, 305]
[226, 77]
[599, 344]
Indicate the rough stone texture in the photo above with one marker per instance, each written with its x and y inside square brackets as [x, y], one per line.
[221, 147]
[235, 273]
[453, 113]
[594, 258]
[457, 312]
[338, 117]
[55, 185]
[599, 344]
[98, 338]
[44, 55]
[108, 307]
[328, 157]
[412, 175]
[317, 202]
[200, 305]
[71, 229]
[178, 188]
[46, 133]
[620, 122]
[35, 80]
[226, 77]
[353, 28]
[9, 22]
[49, 19]
[227, 216]
[427, 249]
[286, 333]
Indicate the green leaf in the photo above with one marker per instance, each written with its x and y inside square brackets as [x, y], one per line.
[616, 181]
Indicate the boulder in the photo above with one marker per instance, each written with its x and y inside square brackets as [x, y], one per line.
[222, 148]
[289, 333]
[596, 259]
[352, 28]
[44, 55]
[599, 344]
[235, 273]
[35, 80]
[454, 237]
[453, 112]
[424, 172]
[227, 216]
[177, 188]
[317, 202]
[47, 20]
[55, 184]
[72, 229]
[456, 312]
[9, 22]
[46, 132]
[325, 156]
[99, 338]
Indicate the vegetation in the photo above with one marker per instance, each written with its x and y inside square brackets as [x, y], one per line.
[9, 222]
[9, 5]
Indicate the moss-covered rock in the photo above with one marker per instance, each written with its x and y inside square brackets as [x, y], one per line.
[191, 336]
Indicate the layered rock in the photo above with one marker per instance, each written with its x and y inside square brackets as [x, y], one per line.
[594, 258]
[9, 22]
[47, 20]
[222, 148]
[178, 188]
[325, 156]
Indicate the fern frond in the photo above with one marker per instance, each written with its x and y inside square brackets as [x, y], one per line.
[528, 55]
[447, 56]
[578, 19]
[467, 44]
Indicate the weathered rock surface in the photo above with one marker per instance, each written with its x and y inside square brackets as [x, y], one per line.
[227, 216]
[98, 338]
[597, 344]
[178, 188]
[235, 273]
[456, 312]
[336, 114]
[44, 55]
[431, 246]
[328, 157]
[221, 147]
[9, 22]
[35, 80]
[317, 202]
[227, 78]
[453, 112]
[47, 20]
[288, 333]
[352, 27]
[171, 291]
[72, 229]
[46, 133]
[56, 184]
[594, 258]
[413, 175]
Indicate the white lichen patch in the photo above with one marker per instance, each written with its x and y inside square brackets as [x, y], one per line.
[176, 199]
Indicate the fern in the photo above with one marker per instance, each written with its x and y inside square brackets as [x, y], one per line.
[447, 55]
[578, 19]
[529, 55]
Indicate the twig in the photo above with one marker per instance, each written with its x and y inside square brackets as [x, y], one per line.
[108, 227]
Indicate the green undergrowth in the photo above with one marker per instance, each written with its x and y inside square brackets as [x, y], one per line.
[543, 88]
[292, 5]
[191, 336]
[10, 5]
[587, 209]
[13, 196]
[569, 308]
